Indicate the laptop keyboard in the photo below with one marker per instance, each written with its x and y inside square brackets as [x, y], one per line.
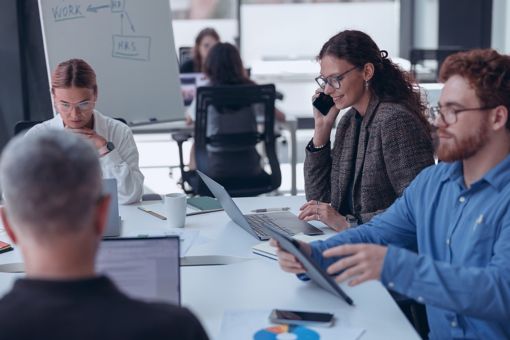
[258, 221]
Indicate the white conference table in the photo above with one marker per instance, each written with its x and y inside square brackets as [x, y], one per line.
[253, 282]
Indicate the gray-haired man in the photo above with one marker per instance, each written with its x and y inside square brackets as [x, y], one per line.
[55, 213]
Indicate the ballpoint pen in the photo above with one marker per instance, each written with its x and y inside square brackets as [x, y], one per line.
[153, 213]
[263, 210]
[203, 212]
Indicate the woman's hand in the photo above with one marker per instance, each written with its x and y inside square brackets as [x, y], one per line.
[320, 211]
[323, 124]
[90, 134]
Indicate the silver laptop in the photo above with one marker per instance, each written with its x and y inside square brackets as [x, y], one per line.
[146, 268]
[284, 221]
[114, 223]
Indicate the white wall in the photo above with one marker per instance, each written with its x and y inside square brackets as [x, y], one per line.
[185, 31]
[426, 26]
[298, 31]
[500, 26]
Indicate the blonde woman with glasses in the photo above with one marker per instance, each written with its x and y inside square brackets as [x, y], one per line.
[74, 90]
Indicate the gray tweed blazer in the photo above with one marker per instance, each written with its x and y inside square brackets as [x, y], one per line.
[393, 148]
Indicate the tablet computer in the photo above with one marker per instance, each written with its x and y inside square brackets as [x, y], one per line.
[313, 270]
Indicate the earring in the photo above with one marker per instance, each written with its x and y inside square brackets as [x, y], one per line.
[366, 84]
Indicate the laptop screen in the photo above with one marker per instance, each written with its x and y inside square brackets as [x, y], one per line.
[189, 84]
[143, 268]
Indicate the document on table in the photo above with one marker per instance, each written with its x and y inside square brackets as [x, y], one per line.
[243, 324]
[187, 237]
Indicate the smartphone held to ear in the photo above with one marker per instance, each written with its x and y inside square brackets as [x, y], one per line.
[301, 318]
[323, 103]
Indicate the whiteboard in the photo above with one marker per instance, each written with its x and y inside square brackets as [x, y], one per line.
[130, 45]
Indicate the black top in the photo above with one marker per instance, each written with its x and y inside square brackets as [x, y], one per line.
[188, 67]
[348, 207]
[89, 309]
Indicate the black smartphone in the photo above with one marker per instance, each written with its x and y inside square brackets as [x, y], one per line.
[323, 103]
[301, 318]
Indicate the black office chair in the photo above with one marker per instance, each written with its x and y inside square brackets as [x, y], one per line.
[25, 125]
[230, 122]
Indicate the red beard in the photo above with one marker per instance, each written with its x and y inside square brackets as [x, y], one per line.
[463, 148]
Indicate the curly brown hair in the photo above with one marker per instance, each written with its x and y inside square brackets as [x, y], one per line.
[488, 73]
[389, 83]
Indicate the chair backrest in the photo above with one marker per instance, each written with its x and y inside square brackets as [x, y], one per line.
[230, 122]
[184, 54]
[25, 125]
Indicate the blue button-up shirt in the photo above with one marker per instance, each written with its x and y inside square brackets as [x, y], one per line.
[448, 247]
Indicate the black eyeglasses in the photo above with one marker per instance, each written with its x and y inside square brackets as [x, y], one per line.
[333, 81]
[449, 114]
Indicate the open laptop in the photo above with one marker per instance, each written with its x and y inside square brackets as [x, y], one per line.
[189, 84]
[284, 221]
[146, 268]
[114, 223]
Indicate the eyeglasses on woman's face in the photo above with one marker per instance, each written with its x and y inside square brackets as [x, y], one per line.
[333, 81]
[84, 106]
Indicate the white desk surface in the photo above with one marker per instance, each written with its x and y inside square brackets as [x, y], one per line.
[256, 282]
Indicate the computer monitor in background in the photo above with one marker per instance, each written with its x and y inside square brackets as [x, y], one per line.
[189, 84]
[143, 268]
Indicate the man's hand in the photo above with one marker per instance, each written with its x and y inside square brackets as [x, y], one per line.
[364, 261]
[90, 134]
[320, 211]
[287, 261]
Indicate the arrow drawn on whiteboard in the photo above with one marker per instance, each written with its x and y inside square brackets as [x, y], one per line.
[130, 22]
[94, 9]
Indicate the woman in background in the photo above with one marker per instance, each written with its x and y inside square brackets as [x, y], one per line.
[224, 66]
[381, 143]
[205, 40]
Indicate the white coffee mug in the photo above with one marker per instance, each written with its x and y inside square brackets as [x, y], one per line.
[175, 205]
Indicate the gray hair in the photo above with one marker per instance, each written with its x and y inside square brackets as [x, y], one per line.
[51, 182]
